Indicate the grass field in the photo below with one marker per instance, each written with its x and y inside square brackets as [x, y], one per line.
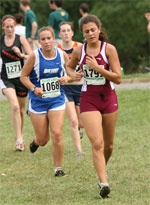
[28, 179]
[137, 75]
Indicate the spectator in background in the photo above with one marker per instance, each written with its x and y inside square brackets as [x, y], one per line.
[19, 28]
[72, 89]
[83, 9]
[147, 16]
[56, 17]
[30, 22]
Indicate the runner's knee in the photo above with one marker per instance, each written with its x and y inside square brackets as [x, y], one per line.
[98, 145]
[15, 108]
[74, 123]
[43, 141]
[109, 147]
[57, 137]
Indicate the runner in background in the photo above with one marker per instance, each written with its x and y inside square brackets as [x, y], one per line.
[72, 90]
[12, 63]
[19, 28]
[83, 9]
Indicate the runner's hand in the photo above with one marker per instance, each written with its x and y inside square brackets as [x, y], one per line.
[17, 51]
[77, 75]
[63, 80]
[91, 62]
[38, 92]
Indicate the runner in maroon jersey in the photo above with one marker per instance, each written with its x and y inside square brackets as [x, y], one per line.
[100, 66]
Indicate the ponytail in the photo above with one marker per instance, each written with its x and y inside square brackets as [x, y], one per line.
[103, 35]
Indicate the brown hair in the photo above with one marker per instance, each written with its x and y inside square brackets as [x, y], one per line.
[64, 23]
[47, 28]
[25, 2]
[58, 3]
[8, 17]
[19, 18]
[84, 7]
[92, 18]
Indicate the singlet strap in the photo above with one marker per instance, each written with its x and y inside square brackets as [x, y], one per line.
[75, 44]
[59, 46]
[85, 46]
[102, 42]
[103, 52]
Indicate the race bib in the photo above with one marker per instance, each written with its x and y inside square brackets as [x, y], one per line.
[92, 77]
[13, 69]
[51, 87]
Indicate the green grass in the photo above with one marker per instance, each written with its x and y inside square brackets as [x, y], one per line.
[137, 75]
[28, 179]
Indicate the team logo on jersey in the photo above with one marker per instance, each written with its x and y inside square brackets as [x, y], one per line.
[98, 59]
[62, 13]
[10, 55]
[54, 70]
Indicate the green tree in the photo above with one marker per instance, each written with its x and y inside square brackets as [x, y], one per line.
[123, 21]
[126, 25]
[8, 7]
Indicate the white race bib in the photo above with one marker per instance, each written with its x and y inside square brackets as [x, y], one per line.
[13, 69]
[51, 87]
[92, 77]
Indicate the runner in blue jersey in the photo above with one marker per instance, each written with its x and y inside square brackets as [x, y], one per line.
[46, 70]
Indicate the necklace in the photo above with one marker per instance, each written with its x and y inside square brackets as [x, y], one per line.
[9, 40]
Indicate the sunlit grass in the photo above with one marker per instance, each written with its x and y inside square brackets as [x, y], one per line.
[28, 179]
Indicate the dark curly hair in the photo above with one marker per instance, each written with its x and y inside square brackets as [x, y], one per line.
[92, 18]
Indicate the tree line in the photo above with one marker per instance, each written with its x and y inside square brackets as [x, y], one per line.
[124, 22]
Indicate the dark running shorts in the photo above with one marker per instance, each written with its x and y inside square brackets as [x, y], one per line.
[105, 101]
[21, 90]
[72, 93]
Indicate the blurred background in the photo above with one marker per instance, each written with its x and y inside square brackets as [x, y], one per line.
[123, 20]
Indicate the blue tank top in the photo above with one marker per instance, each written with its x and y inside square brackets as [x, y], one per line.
[45, 68]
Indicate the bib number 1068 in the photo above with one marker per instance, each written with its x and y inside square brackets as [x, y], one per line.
[50, 86]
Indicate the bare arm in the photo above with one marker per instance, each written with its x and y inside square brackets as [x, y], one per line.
[27, 68]
[112, 55]
[147, 16]
[114, 62]
[73, 63]
[25, 46]
[64, 79]
[148, 27]
[34, 28]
